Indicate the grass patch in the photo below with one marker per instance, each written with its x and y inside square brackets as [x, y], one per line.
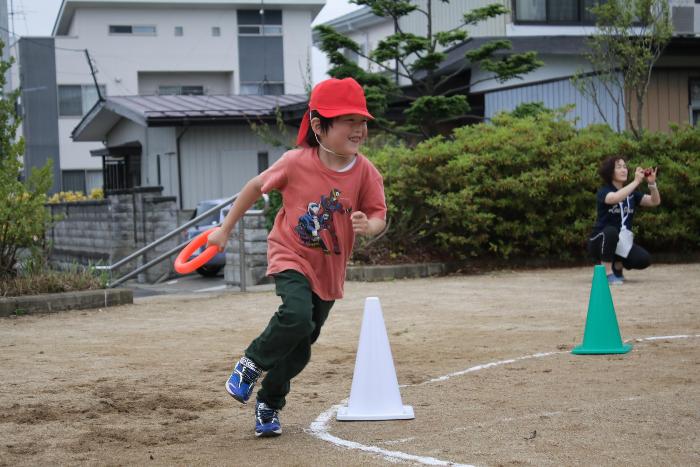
[35, 277]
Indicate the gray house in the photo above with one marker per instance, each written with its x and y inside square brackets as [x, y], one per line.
[557, 30]
[195, 147]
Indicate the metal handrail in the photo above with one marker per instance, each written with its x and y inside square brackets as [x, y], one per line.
[174, 250]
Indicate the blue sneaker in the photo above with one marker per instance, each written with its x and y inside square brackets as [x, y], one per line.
[618, 272]
[267, 421]
[615, 280]
[242, 381]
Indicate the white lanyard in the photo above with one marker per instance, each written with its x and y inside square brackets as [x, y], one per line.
[622, 214]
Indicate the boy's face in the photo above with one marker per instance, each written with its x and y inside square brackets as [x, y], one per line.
[346, 134]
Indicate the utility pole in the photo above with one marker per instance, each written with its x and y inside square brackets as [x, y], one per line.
[94, 77]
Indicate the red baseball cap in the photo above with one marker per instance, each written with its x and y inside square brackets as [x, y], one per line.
[332, 98]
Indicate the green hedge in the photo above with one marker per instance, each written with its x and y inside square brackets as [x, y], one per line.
[525, 187]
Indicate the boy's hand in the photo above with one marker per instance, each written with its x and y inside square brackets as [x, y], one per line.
[360, 223]
[218, 238]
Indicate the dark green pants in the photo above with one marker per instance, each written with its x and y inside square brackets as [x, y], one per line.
[284, 347]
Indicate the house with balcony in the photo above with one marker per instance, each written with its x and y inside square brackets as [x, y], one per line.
[181, 58]
[557, 30]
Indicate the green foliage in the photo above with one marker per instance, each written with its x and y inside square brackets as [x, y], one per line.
[525, 187]
[273, 207]
[417, 58]
[23, 216]
[530, 109]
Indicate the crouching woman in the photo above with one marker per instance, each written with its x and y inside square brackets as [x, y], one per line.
[611, 242]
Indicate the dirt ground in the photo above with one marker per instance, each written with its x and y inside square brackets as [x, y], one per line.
[144, 384]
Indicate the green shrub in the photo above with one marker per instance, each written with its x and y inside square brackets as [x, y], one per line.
[525, 187]
[23, 217]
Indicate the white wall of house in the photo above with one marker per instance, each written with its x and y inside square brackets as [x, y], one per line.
[138, 64]
[296, 46]
[368, 38]
[120, 58]
[75, 156]
[211, 82]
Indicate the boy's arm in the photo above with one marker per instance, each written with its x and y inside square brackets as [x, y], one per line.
[364, 226]
[250, 193]
[376, 226]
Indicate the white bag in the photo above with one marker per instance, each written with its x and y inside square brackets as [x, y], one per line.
[624, 242]
[626, 238]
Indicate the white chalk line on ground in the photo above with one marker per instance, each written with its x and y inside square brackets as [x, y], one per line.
[319, 427]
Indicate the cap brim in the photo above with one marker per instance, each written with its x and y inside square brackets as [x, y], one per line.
[330, 113]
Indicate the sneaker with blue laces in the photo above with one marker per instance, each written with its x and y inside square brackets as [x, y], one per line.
[242, 380]
[615, 280]
[267, 421]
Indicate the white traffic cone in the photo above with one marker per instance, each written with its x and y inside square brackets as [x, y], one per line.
[375, 390]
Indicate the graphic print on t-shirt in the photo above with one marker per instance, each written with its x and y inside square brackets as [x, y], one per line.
[319, 219]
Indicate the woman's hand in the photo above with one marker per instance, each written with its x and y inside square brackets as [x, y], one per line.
[651, 178]
[638, 175]
[219, 237]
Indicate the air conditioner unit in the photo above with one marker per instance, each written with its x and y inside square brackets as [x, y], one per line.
[683, 19]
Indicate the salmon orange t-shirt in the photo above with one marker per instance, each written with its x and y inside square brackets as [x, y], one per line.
[313, 232]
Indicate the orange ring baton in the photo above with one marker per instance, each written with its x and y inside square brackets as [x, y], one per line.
[183, 266]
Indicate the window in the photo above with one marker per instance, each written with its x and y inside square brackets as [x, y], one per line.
[530, 10]
[121, 172]
[128, 30]
[695, 101]
[263, 161]
[70, 103]
[179, 31]
[252, 22]
[554, 11]
[75, 100]
[563, 10]
[170, 90]
[81, 180]
[73, 180]
[260, 54]
[216, 31]
[120, 30]
[262, 88]
[93, 179]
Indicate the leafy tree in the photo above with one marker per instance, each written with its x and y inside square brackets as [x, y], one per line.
[433, 100]
[631, 36]
[23, 217]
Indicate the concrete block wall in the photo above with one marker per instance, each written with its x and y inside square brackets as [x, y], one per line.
[105, 231]
[82, 232]
[255, 252]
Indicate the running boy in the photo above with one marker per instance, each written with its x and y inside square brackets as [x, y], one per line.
[330, 193]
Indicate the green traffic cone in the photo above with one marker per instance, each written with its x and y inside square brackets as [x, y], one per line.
[602, 335]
